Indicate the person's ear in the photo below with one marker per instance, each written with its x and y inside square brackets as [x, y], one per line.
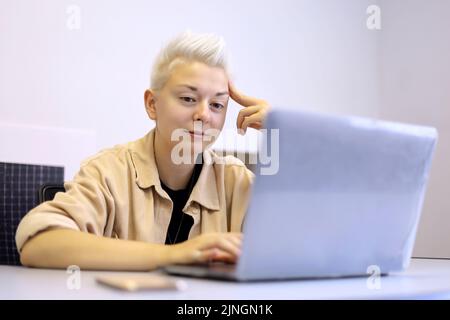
[149, 100]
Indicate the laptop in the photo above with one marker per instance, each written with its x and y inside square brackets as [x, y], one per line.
[345, 200]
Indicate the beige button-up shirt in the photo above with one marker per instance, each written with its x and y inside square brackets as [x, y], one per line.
[117, 193]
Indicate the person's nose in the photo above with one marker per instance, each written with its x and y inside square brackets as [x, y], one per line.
[202, 112]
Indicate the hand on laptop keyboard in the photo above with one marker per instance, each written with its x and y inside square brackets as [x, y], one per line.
[208, 247]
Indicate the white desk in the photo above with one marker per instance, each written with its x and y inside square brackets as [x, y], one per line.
[424, 279]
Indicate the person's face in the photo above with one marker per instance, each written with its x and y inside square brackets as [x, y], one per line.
[194, 99]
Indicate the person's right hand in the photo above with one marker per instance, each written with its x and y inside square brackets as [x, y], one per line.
[207, 247]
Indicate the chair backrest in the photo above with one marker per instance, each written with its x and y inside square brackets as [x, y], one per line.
[47, 191]
[22, 187]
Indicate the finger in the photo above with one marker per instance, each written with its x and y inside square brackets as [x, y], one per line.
[244, 113]
[239, 97]
[236, 241]
[221, 242]
[209, 255]
[235, 235]
[225, 257]
[236, 238]
[231, 246]
[253, 119]
[232, 236]
[257, 125]
[215, 254]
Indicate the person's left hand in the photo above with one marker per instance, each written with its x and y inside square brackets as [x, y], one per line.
[253, 113]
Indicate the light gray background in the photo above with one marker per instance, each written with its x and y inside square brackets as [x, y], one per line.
[85, 87]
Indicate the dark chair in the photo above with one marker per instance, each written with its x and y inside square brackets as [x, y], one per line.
[22, 187]
[47, 191]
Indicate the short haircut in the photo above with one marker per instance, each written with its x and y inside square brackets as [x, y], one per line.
[188, 47]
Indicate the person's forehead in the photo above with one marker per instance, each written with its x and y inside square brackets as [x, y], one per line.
[199, 75]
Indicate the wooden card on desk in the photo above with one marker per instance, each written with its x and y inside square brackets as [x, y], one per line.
[141, 282]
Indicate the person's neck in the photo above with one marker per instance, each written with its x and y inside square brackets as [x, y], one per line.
[174, 176]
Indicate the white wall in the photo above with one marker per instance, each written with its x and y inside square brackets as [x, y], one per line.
[86, 86]
[415, 87]
[296, 54]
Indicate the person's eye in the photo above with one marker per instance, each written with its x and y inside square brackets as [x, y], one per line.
[217, 106]
[187, 99]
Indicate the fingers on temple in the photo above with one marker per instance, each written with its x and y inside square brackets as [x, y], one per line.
[250, 121]
[239, 97]
[245, 113]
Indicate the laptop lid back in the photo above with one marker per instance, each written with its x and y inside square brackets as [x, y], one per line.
[345, 196]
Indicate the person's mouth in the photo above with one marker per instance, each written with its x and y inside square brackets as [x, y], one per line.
[198, 134]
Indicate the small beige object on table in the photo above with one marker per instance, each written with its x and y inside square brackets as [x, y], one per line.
[142, 282]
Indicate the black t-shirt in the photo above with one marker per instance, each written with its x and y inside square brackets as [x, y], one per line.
[180, 223]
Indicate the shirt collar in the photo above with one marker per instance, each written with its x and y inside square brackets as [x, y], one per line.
[143, 157]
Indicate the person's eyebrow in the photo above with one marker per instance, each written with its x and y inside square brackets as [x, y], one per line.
[195, 89]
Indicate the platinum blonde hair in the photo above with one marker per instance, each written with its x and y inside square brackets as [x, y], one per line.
[188, 47]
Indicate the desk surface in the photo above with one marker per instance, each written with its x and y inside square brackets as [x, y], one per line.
[424, 279]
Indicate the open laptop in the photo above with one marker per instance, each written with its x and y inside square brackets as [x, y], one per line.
[346, 199]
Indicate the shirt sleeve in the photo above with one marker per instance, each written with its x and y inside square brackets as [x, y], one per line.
[239, 191]
[84, 206]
